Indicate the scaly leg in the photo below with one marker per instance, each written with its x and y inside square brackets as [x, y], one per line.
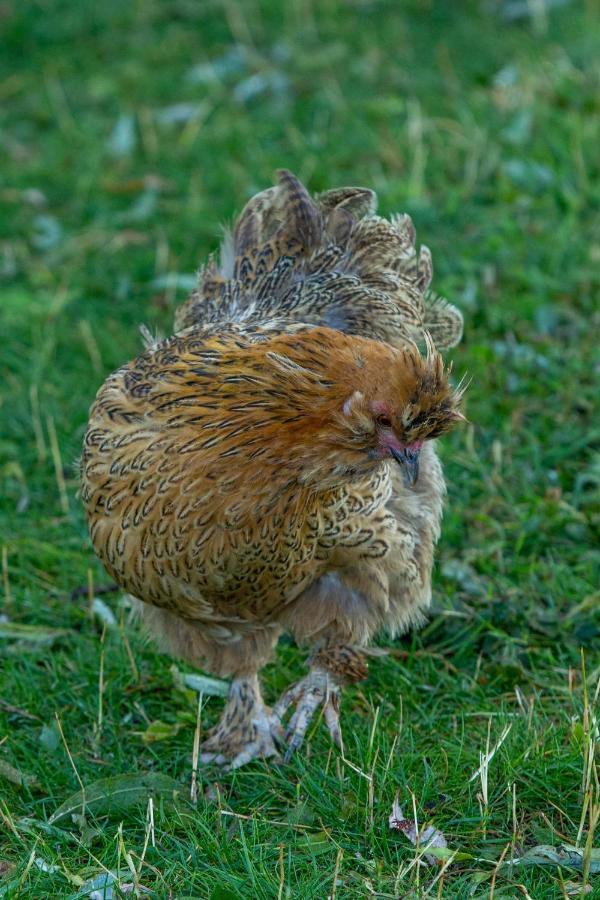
[245, 730]
[330, 669]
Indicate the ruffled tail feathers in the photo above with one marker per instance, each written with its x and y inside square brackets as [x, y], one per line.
[328, 260]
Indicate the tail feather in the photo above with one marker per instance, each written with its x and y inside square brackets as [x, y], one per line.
[443, 321]
[357, 201]
[328, 260]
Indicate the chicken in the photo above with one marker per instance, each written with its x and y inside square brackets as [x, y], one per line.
[272, 467]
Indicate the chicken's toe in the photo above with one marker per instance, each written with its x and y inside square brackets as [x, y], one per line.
[217, 758]
[255, 750]
[317, 689]
[247, 729]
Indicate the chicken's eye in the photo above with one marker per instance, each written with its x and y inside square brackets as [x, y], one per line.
[384, 421]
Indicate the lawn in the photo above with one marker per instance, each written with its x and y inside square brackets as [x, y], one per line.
[130, 132]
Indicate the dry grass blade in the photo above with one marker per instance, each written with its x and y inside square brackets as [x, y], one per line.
[196, 752]
[58, 464]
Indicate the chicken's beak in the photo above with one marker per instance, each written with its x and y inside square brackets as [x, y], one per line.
[409, 460]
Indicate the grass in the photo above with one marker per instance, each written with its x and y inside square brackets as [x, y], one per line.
[129, 133]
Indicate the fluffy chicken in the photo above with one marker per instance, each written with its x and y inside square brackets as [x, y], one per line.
[272, 466]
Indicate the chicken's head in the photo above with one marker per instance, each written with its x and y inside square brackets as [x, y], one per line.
[403, 400]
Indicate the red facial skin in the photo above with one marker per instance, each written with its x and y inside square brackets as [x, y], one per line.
[389, 441]
[387, 438]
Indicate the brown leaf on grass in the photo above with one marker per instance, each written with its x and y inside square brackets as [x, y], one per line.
[573, 889]
[426, 837]
[6, 868]
[15, 776]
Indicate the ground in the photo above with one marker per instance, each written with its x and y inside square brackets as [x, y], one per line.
[130, 132]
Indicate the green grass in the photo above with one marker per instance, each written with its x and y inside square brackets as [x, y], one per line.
[484, 128]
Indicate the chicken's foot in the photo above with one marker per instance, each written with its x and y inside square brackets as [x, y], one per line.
[330, 669]
[315, 690]
[246, 728]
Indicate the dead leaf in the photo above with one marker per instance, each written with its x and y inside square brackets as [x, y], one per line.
[427, 838]
[15, 776]
[44, 866]
[6, 868]
[572, 889]
[159, 731]
[562, 855]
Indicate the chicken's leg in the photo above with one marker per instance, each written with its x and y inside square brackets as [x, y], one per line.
[245, 730]
[330, 669]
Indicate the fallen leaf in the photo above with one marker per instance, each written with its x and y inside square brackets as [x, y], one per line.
[15, 776]
[50, 737]
[100, 887]
[123, 137]
[52, 869]
[87, 833]
[428, 838]
[43, 866]
[300, 814]
[232, 62]
[316, 841]
[562, 855]
[159, 731]
[34, 826]
[572, 889]
[257, 84]
[129, 887]
[118, 793]
[34, 633]
[212, 687]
